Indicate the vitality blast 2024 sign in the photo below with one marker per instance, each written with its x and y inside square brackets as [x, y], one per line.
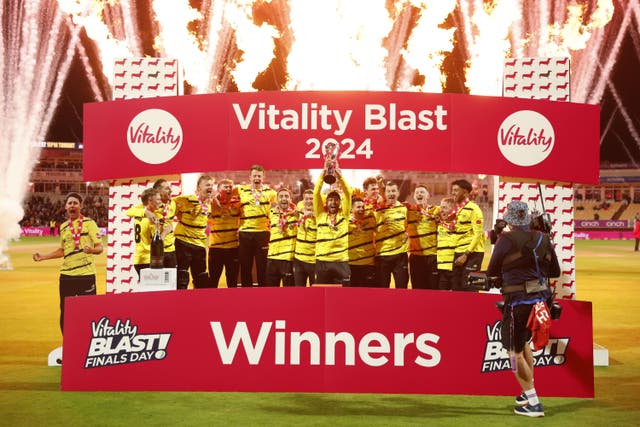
[312, 340]
[374, 130]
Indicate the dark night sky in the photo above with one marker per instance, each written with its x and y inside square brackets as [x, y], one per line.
[618, 144]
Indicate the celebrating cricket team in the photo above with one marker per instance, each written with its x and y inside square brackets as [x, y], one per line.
[336, 234]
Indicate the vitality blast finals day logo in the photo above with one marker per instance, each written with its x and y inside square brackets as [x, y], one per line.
[526, 138]
[496, 358]
[154, 136]
[121, 343]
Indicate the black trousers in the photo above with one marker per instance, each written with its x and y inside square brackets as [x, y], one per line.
[170, 260]
[303, 271]
[445, 280]
[73, 286]
[363, 276]
[279, 270]
[228, 259]
[424, 271]
[333, 272]
[194, 258]
[253, 245]
[460, 273]
[398, 265]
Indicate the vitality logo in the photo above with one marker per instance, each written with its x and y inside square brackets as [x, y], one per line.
[496, 357]
[154, 136]
[120, 343]
[526, 138]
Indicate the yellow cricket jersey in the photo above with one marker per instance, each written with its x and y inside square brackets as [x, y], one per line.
[422, 230]
[332, 242]
[469, 229]
[223, 225]
[446, 248]
[306, 239]
[144, 230]
[255, 208]
[391, 231]
[362, 249]
[192, 224]
[76, 262]
[166, 211]
[282, 240]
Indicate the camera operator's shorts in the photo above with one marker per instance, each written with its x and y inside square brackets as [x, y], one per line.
[514, 327]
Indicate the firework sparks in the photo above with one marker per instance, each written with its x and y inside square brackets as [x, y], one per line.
[36, 49]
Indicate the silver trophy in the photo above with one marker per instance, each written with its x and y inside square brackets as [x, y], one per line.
[331, 150]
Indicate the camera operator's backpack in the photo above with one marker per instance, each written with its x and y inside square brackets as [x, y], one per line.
[536, 252]
[530, 250]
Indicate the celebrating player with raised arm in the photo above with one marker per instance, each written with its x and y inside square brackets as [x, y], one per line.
[332, 243]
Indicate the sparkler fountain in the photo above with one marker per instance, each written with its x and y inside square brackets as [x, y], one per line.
[36, 49]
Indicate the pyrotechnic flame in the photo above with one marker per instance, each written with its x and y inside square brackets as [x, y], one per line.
[338, 45]
[429, 44]
[573, 34]
[256, 43]
[89, 15]
[176, 41]
[488, 45]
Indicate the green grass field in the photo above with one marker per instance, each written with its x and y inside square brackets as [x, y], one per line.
[608, 274]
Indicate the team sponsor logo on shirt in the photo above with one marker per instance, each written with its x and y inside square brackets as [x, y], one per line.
[120, 343]
[154, 136]
[496, 357]
[526, 138]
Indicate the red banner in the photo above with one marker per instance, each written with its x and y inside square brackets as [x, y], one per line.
[313, 340]
[375, 130]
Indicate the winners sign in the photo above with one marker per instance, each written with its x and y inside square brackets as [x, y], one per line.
[318, 339]
[374, 130]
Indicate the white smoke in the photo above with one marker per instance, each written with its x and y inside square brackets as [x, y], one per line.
[36, 49]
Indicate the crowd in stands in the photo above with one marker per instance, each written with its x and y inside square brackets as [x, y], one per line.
[41, 209]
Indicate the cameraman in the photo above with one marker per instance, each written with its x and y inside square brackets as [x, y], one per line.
[524, 283]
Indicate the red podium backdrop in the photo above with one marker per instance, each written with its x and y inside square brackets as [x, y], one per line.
[375, 130]
[320, 339]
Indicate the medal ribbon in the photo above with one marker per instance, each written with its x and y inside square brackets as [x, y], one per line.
[333, 220]
[165, 210]
[426, 213]
[256, 195]
[76, 232]
[450, 222]
[204, 207]
[282, 216]
[303, 218]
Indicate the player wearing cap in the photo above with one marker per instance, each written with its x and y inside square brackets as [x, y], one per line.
[332, 243]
